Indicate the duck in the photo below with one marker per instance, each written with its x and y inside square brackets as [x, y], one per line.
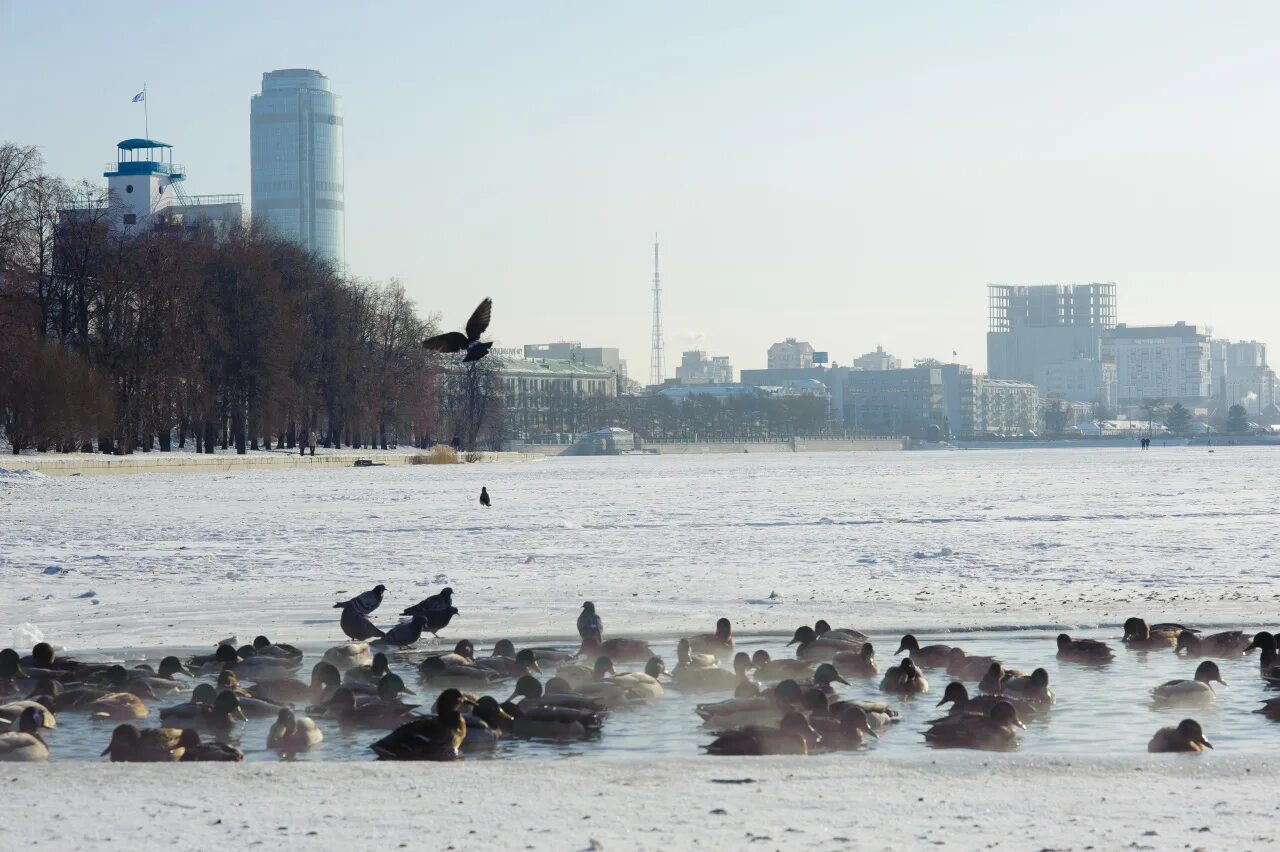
[436, 672]
[430, 738]
[325, 678]
[263, 668]
[556, 722]
[264, 647]
[766, 709]
[202, 698]
[880, 716]
[745, 686]
[162, 681]
[1195, 691]
[10, 714]
[24, 744]
[1089, 651]
[814, 648]
[386, 713]
[997, 731]
[1271, 709]
[1141, 637]
[292, 734]
[223, 713]
[118, 707]
[692, 672]
[371, 673]
[463, 654]
[1269, 659]
[790, 737]
[962, 666]
[533, 694]
[348, 655]
[130, 744]
[602, 686]
[1229, 643]
[768, 670]
[195, 750]
[1187, 736]
[486, 724]
[719, 642]
[823, 678]
[929, 656]
[42, 657]
[904, 679]
[523, 663]
[822, 628]
[961, 703]
[860, 663]
[618, 649]
[642, 686]
[218, 658]
[850, 729]
[993, 681]
[590, 625]
[1033, 688]
[116, 678]
[357, 626]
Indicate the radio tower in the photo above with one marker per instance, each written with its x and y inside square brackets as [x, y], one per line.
[656, 371]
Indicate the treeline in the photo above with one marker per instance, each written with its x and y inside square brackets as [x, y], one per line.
[117, 342]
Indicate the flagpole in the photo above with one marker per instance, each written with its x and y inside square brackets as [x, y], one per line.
[146, 115]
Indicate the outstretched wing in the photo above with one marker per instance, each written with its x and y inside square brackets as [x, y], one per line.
[453, 341]
[479, 320]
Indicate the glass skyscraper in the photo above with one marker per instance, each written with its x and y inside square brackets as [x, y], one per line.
[295, 142]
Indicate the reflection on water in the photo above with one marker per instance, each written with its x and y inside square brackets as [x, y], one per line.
[1100, 712]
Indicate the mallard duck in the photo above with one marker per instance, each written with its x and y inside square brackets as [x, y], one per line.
[997, 731]
[880, 716]
[642, 686]
[1230, 643]
[1139, 636]
[822, 628]
[463, 654]
[196, 750]
[1033, 688]
[486, 724]
[523, 663]
[813, 648]
[860, 663]
[1269, 659]
[619, 649]
[554, 694]
[718, 643]
[264, 647]
[202, 698]
[823, 678]
[325, 678]
[388, 713]
[765, 709]
[222, 657]
[790, 737]
[694, 674]
[555, 722]
[590, 625]
[1196, 691]
[371, 673]
[745, 686]
[436, 672]
[958, 697]
[993, 681]
[1187, 736]
[24, 744]
[768, 670]
[10, 714]
[843, 731]
[161, 681]
[929, 656]
[962, 666]
[42, 656]
[118, 707]
[292, 734]
[147, 745]
[1271, 709]
[430, 738]
[904, 679]
[348, 654]
[1089, 651]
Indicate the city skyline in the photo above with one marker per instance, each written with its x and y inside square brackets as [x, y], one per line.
[837, 176]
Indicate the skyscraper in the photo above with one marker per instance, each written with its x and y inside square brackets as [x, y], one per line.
[295, 141]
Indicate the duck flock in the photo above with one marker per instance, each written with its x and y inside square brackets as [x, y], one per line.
[755, 704]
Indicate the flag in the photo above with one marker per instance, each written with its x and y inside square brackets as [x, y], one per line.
[141, 96]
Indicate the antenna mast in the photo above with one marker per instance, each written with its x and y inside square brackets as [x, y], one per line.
[656, 370]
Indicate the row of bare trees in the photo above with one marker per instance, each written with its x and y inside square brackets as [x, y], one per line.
[117, 342]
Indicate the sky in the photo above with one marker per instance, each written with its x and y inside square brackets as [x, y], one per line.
[852, 174]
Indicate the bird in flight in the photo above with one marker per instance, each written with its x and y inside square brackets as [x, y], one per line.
[456, 341]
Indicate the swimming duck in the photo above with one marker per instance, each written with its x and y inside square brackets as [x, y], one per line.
[10, 714]
[1197, 691]
[813, 648]
[642, 686]
[324, 679]
[223, 713]
[993, 681]
[790, 737]
[24, 744]
[745, 687]
[222, 657]
[147, 745]
[823, 678]
[264, 647]
[1187, 736]
[365, 602]
[694, 674]
[962, 666]
[358, 627]
[463, 654]
[42, 657]
[1271, 709]
[997, 731]
[437, 603]
[436, 672]
[1141, 637]
[372, 673]
[430, 738]
[485, 724]
[860, 663]
[768, 670]
[1230, 643]
[843, 731]
[292, 734]
[348, 654]
[202, 698]
[822, 628]
[554, 694]
[523, 663]
[765, 709]
[929, 656]
[1269, 659]
[980, 705]
[904, 679]
[228, 681]
[720, 642]
[195, 750]
[386, 713]
[1089, 651]
[590, 625]
[118, 707]
[1033, 688]
[555, 722]
[618, 649]
[880, 716]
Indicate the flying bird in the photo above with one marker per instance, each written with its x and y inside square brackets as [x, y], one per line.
[456, 341]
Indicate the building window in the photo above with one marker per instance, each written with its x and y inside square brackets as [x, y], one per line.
[131, 218]
[128, 187]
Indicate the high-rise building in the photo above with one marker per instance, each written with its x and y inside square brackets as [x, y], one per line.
[790, 354]
[1168, 362]
[1031, 327]
[878, 360]
[697, 369]
[295, 145]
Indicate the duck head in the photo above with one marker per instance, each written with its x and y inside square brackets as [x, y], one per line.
[380, 664]
[826, 674]
[788, 692]
[1136, 628]
[602, 667]
[1264, 641]
[1208, 671]
[760, 658]
[527, 686]
[868, 652]
[465, 650]
[286, 724]
[205, 694]
[796, 723]
[815, 701]
[741, 663]
[1004, 713]
[655, 667]
[803, 636]
[260, 642]
[391, 686]
[1187, 641]
[1191, 730]
[10, 664]
[684, 652]
[326, 676]
[724, 629]
[1040, 678]
[226, 655]
[227, 704]
[487, 708]
[432, 667]
[909, 643]
[504, 648]
[854, 718]
[449, 702]
[528, 659]
[171, 666]
[31, 721]
[1064, 641]
[820, 626]
[342, 700]
[42, 656]
[123, 739]
[955, 692]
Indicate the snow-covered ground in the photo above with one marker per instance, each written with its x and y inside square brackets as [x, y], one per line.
[663, 545]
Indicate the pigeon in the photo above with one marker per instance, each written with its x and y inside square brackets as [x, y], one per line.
[484, 496]
[436, 602]
[358, 627]
[456, 341]
[590, 626]
[438, 619]
[365, 602]
[406, 632]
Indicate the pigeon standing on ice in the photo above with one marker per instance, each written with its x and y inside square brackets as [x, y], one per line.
[456, 341]
[484, 496]
[435, 603]
[358, 627]
[590, 626]
[365, 602]
[406, 632]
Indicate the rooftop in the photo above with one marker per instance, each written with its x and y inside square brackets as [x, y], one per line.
[135, 144]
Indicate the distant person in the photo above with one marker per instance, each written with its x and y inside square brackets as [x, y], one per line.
[302, 442]
[311, 439]
[484, 496]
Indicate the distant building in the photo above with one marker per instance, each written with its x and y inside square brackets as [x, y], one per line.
[1032, 327]
[145, 191]
[1241, 376]
[1079, 380]
[1006, 407]
[878, 360]
[790, 354]
[834, 379]
[1168, 362]
[548, 395]
[571, 350]
[295, 149]
[914, 401]
[697, 369]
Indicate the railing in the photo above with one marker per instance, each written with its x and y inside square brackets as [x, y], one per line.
[203, 200]
[164, 168]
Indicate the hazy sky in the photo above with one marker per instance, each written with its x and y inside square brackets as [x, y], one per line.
[847, 173]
